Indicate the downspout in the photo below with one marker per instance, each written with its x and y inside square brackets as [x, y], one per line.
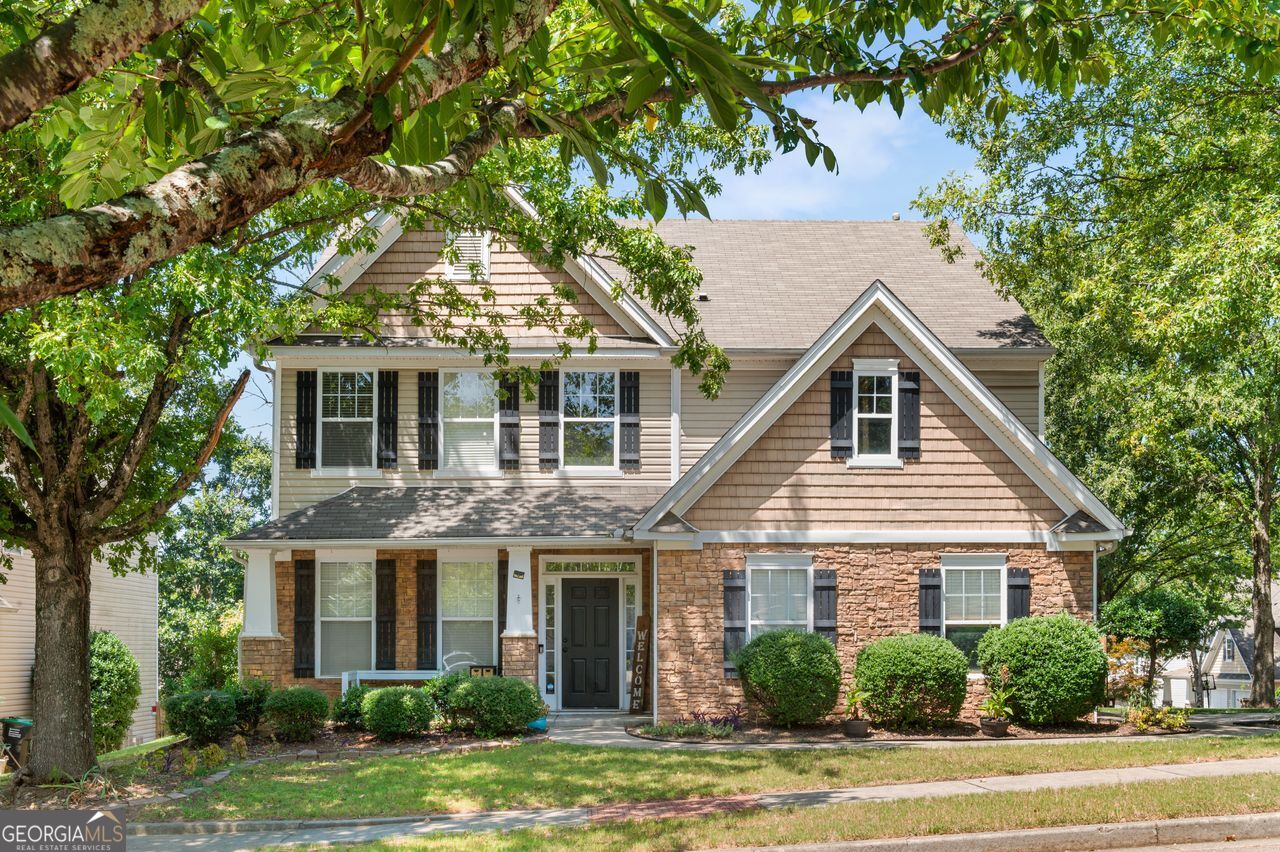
[275, 435]
[1095, 584]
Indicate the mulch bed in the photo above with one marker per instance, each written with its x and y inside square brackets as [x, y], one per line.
[961, 731]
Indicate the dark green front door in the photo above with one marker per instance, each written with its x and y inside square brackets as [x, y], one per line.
[589, 650]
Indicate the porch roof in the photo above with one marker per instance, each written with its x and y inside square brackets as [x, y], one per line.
[419, 513]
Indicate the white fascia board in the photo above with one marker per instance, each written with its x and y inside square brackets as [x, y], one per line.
[348, 267]
[877, 302]
[309, 356]
[426, 543]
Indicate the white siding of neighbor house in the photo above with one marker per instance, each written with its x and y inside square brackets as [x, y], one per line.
[124, 605]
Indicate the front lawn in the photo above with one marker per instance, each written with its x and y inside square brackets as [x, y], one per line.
[1148, 800]
[554, 775]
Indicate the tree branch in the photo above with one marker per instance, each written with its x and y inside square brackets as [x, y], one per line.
[191, 77]
[88, 42]
[141, 522]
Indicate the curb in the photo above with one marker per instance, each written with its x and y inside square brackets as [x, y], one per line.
[1106, 836]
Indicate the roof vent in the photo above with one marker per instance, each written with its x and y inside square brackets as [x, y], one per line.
[897, 216]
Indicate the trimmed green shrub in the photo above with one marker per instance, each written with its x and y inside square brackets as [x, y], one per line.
[347, 707]
[213, 654]
[912, 680]
[114, 687]
[250, 695]
[792, 677]
[205, 716]
[439, 690]
[396, 711]
[1056, 667]
[495, 706]
[297, 713]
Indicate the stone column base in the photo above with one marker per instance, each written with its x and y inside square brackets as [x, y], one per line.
[520, 657]
[267, 657]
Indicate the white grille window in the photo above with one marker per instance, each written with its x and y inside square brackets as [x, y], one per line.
[346, 419]
[973, 599]
[469, 421]
[778, 593]
[472, 257]
[590, 413]
[345, 617]
[874, 432]
[469, 614]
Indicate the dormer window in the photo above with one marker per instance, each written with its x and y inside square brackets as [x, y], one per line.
[472, 261]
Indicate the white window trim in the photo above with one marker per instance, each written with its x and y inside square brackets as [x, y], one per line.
[370, 557]
[881, 368]
[545, 579]
[787, 562]
[590, 470]
[1229, 650]
[962, 561]
[493, 470]
[461, 273]
[470, 555]
[320, 469]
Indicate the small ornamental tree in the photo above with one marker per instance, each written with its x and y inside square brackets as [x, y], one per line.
[1168, 622]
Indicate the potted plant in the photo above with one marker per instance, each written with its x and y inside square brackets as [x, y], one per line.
[996, 711]
[854, 725]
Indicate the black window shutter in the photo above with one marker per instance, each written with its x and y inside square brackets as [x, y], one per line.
[509, 425]
[909, 414]
[735, 618]
[388, 414]
[385, 646]
[824, 603]
[841, 414]
[428, 421]
[1019, 592]
[304, 618]
[502, 606]
[549, 419]
[931, 601]
[629, 420]
[304, 450]
[427, 614]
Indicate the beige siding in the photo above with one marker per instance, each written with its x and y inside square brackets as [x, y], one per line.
[788, 479]
[1219, 664]
[516, 281]
[1019, 390]
[299, 488]
[703, 421]
[124, 605]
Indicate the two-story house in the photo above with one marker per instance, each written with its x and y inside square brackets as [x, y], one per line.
[872, 466]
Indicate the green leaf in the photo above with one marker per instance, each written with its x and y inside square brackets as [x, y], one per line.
[382, 117]
[216, 122]
[10, 421]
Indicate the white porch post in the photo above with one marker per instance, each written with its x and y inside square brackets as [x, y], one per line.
[519, 592]
[260, 595]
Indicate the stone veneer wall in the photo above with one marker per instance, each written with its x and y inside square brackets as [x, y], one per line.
[877, 595]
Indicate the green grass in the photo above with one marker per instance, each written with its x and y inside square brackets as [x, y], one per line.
[133, 752]
[554, 775]
[1148, 800]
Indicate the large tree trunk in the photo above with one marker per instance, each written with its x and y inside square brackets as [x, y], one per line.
[1197, 679]
[1264, 623]
[63, 737]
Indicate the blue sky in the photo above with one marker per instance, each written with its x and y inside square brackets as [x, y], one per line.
[884, 162]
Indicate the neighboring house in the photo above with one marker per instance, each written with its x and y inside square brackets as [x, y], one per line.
[127, 606]
[1229, 660]
[871, 467]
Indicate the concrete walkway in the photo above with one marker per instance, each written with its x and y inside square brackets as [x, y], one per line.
[234, 836]
[608, 728]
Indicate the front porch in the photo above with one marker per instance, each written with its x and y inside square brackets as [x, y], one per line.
[563, 618]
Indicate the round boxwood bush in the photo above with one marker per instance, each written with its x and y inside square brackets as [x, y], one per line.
[1055, 664]
[205, 716]
[495, 706]
[912, 680]
[250, 695]
[297, 713]
[439, 690]
[114, 687]
[396, 711]
[347, 707]
[792, 677]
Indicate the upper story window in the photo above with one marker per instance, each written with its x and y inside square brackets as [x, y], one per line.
[1229, 651]
[778, 593]
[347, 409]
[875, 432]
[468, 421]
[472, 249]
[973, 599]
[589, 410]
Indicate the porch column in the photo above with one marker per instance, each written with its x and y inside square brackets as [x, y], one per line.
[260, 595]
[519, 640]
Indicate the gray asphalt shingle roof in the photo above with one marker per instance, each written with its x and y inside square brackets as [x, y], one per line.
[408, 513]
[780, 284]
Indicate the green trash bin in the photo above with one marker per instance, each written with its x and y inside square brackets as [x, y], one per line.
[17, 741]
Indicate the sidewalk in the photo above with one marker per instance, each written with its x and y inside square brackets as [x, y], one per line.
[252, 835]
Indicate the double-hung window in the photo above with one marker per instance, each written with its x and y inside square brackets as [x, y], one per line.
[589, 411]
[345, 616]
[469, 613]
[469, 421]
[875, 434]
[973, 599]
[1229, 650]
[779, 592]
[347, 406]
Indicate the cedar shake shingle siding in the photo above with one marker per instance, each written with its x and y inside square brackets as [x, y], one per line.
[788, 480]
